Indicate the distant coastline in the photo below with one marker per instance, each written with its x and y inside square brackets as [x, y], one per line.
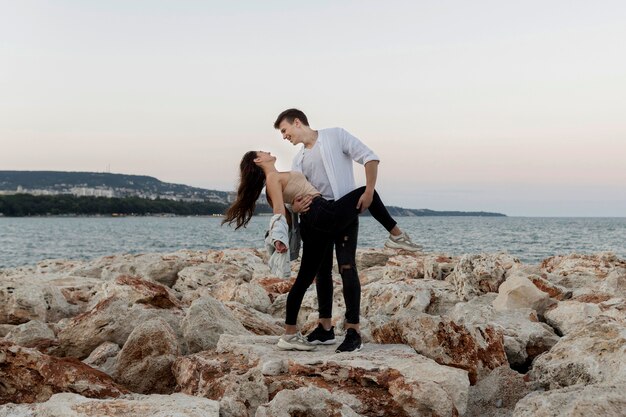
[60, 193]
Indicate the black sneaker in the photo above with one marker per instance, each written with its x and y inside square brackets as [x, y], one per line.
[352, 342]
[321, 336]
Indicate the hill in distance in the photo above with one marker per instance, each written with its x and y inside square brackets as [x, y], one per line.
[100, 184]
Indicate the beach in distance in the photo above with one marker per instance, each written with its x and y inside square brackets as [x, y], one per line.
[26, 240]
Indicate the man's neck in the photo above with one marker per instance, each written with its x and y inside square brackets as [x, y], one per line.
[310, 137]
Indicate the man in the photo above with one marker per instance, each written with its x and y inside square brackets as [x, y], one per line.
[326, 160]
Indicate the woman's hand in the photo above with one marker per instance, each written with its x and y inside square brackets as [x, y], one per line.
[301, 204]
[280, 246]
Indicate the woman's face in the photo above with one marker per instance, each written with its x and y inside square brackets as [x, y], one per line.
[262, 156]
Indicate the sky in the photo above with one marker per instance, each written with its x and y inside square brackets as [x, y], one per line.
[512, 107]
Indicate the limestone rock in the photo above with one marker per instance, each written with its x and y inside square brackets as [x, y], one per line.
[313, 401]
[555, 291]
[104, 357]
[367, 258]
[162, 269]
[255, 321]
[391, 298]
[28, 375]
[569, 315]
[591, 354]
[576, 401]
[132, 301]
[245, 293]
[34, 334]
[519, 292]
[205, 321]
[378, 380]
[135, 405]
[590, 274]
[144, 363]
[402, 267]
[525, 337]
[475, 349]
[205, 275]
[438, 267]
[497, 394]
[475, 275]
[6, 328]
[26, 300]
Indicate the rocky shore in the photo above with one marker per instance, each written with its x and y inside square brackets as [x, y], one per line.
[193, 334]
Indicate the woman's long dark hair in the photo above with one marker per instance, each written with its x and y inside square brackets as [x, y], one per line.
[251, 183]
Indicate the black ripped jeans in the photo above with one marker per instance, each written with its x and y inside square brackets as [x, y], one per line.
[320, 227]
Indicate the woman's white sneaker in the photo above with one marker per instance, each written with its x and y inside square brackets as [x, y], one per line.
[294, 342]
[402, 241]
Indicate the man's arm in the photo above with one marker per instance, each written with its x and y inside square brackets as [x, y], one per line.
[371, 173]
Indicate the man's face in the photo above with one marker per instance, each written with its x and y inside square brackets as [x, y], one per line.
[291, 131]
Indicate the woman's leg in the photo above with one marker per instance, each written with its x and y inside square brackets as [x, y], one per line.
[314, 247]
[324, 286]
[346, 211]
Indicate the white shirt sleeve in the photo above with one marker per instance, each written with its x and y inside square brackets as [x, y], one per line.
[356, 149]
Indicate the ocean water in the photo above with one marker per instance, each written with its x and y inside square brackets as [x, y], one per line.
[26, 241]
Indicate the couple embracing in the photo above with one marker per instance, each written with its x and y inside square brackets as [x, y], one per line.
[321, 188]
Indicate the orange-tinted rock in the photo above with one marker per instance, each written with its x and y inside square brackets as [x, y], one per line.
[144, 363]
[476, 350]
[30, 376]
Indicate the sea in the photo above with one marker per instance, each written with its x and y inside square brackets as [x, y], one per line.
[29, 240]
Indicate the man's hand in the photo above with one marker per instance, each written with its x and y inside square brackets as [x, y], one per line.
[301, 204]
[365, 201]
[280, 246]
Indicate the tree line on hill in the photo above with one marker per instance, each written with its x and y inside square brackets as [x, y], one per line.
[18, 205]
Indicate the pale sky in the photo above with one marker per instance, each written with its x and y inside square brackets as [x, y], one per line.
[515, 107]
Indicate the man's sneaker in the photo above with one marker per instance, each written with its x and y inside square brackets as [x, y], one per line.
[352, 342]
[294, 342]
[321, 336]
[402, 241]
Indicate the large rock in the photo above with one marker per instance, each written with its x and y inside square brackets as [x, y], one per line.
[576, 401]
[438, 267]
[593, 353]
[602, 273]
[130, 302]
[477, 350]
[569, 315]
[23, 300]
[104, 357]
[402, 267]
[378, 380]
[497, 394]
[135, 405]
[389, 298]
[144, 364]
[162, 269]
[28, 375]
[255, 321]
[368, 258]
[34, 334]
[206, 320]
[519, 292]
[313, 401]
[525, 337]
[475, 275]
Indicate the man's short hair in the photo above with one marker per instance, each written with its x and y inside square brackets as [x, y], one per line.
[290, 115]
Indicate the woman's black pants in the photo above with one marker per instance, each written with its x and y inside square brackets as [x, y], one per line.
[319, 226]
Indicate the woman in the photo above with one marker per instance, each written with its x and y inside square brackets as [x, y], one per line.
[257, 169]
